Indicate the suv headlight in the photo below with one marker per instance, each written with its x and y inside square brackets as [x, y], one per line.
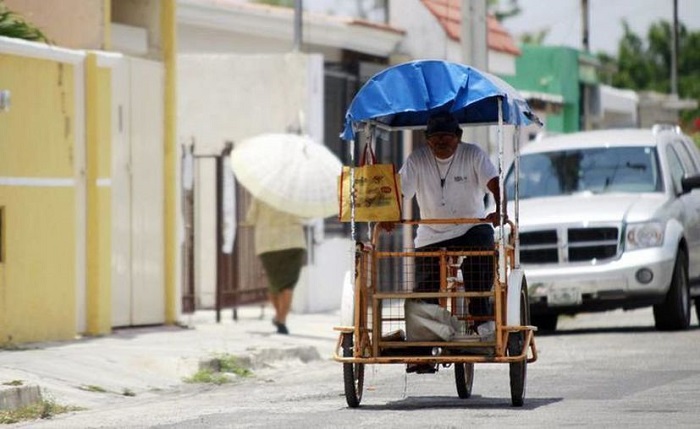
[644, 235]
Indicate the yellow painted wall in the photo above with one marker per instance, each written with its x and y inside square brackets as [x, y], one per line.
[75, 24]
[168, 26]
[37, 278]
[99, 245]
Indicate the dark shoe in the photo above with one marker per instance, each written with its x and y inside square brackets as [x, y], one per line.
[421, 368]
[282, 328]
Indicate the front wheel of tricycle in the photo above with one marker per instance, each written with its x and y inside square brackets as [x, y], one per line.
[464, 379]
[353, 375]
[516, 343]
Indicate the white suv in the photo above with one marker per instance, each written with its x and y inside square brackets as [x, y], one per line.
[610, 219]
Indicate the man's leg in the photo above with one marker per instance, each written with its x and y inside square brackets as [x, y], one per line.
[427, 280]
[427, 274]
[478, 271]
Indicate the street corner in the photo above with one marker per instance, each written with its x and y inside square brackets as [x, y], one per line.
[243, 364]
[266, 356]
[16, 394]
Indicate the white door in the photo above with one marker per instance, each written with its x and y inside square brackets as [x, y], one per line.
[138, 285]
[121, 197]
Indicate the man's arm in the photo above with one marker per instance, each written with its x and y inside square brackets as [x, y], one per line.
[494, 186]
[388, 226]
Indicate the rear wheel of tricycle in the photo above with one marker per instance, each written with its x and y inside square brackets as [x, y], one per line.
[516, 342]
[464, 379]
[353, 375]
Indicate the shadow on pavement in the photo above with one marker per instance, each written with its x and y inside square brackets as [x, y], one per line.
[608, 330]
[475, 402]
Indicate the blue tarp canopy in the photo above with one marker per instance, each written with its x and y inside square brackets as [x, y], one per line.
[406, 95]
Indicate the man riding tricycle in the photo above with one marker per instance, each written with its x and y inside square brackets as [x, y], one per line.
[453, 294]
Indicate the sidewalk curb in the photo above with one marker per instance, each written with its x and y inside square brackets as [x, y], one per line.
[152, 359]
[15, 397]
[266, 356]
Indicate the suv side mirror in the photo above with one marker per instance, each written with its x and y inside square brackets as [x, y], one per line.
[689, 183]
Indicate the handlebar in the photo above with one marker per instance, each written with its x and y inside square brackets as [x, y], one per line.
[377, 227]
[443, 221]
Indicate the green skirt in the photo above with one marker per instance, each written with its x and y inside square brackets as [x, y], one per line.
[283, 268]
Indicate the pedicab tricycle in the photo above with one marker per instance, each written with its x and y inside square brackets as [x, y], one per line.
[389, 320]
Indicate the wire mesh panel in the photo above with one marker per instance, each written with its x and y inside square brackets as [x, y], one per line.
[437, 294]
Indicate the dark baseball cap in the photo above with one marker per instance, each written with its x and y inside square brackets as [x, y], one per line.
[442, 122]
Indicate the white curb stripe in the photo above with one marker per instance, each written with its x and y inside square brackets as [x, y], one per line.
[36, 181]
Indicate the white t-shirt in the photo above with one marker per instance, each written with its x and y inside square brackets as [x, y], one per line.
[462, 196]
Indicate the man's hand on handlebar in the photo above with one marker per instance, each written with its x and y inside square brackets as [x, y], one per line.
[495, 218]
[387, 226]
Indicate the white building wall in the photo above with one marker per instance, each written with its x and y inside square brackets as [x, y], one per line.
[618, 107]
[194, 39]
[426, 38]
[501, 63]
[231, 97]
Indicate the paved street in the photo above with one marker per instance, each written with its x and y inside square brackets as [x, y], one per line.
[600, 370]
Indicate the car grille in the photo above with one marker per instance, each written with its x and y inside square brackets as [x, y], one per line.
[556, 246]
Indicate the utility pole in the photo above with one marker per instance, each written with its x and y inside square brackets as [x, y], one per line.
[585, 41]
[674, 51]
[473, 35]
[298, 12]
[586, 89]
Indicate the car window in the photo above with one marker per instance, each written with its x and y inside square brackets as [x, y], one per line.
[597, 170]
[690, 162]
[676, 168]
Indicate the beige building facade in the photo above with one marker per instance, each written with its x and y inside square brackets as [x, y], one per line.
[73, 107]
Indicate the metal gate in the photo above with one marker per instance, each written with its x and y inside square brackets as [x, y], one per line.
[240, 278]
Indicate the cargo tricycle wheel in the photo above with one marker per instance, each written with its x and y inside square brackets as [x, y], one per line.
[516, 342]
[353, 375]
[464, 379]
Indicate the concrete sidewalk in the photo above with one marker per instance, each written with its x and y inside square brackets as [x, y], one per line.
[90, 372]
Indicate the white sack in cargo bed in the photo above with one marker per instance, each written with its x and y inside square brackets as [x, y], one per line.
[429, 322]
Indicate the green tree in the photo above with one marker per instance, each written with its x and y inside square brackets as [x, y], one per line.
[283, 3]
[536, 38]
[645, 64]
[501, 12]
[511, 9]
[13, 25]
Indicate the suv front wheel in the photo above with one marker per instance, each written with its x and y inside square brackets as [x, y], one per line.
[545, 322]
[673, 314]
